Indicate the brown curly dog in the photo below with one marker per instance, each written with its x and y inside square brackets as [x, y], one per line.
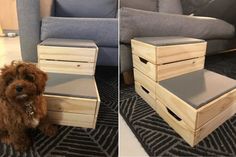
[22, 105]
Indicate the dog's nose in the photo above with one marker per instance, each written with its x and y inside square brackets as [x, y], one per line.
[19, 88]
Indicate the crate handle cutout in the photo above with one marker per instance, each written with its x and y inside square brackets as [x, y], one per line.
[173, 114]
[143, 60]
[145, 90]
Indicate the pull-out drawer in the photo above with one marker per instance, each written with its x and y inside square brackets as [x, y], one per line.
[81, 68]
[165, 71]
[161, 50]
[193, 136]
[72, 100]
[195, 104]
[69, 56]
[68, 53]
[145, 81]
[145, 93]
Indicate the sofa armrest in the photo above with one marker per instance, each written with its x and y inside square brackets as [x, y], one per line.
[29, 28]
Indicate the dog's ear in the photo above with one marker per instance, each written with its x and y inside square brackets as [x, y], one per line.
[2, 88]
[41, 81]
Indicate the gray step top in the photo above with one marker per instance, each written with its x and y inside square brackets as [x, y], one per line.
[69, 43]
[71, 85]
[200, 87]
[169, 40]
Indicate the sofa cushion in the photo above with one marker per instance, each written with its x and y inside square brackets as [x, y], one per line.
[149, 5]
[139, 23]
[170, 6]
[104, 31]
[87, 8]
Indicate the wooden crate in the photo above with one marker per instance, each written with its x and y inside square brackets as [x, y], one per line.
[161, 62]
[200, 108]
[67, 58]
[72, 100]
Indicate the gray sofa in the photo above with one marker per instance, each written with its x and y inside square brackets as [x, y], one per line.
[72, 19]
[169, 18]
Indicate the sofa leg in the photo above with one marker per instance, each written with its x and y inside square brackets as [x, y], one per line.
[128, 77]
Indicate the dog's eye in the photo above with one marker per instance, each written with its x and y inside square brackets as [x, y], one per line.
[29, 77]
[9, 80]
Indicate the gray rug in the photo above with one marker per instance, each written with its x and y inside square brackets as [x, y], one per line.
[159, 139]
[82, 142]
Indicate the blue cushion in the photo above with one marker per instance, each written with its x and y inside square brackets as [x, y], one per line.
[104, 31]
[86, 8]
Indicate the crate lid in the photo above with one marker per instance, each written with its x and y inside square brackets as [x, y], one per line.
[71, 85]
[168, 40]
[200, 87]
[69, 43]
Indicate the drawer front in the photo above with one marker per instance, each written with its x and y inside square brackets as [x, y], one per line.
[179, 68]
[67, 53]
[144, 50]
[145, 94]
[71, 119]
[145, 82]
[176, 123]
[173, 53]
[145, 66]
[72, 105]
[67, 67]
[186, 112]
[216, 107]
[214, 123]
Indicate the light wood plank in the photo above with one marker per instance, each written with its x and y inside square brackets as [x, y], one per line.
[97, 107]
[186, 112]
[145, 66]
[216, 107]
[146, 96]
[146, 82]
[175, 50]
[67, 53]
[180, 127]
[179, 68]
[172, 53]
[144, 50]
[214, 123]
[67, 67]
[71, 119]
[72, 105]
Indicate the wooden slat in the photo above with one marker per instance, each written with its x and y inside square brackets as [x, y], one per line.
[180, 127]
[216, 107]
[145, 82]
[214, 123]
[71, 119]
[146, 67]
[97, 107]
[146, 96]
[67, 67]
[72, 105]
[186, 112]
[179, 68]
[144, 50]
[67, 53]
[172, 53]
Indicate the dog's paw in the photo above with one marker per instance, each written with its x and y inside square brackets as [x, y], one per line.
[6, 139]
[50, 130]
[21, 147]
